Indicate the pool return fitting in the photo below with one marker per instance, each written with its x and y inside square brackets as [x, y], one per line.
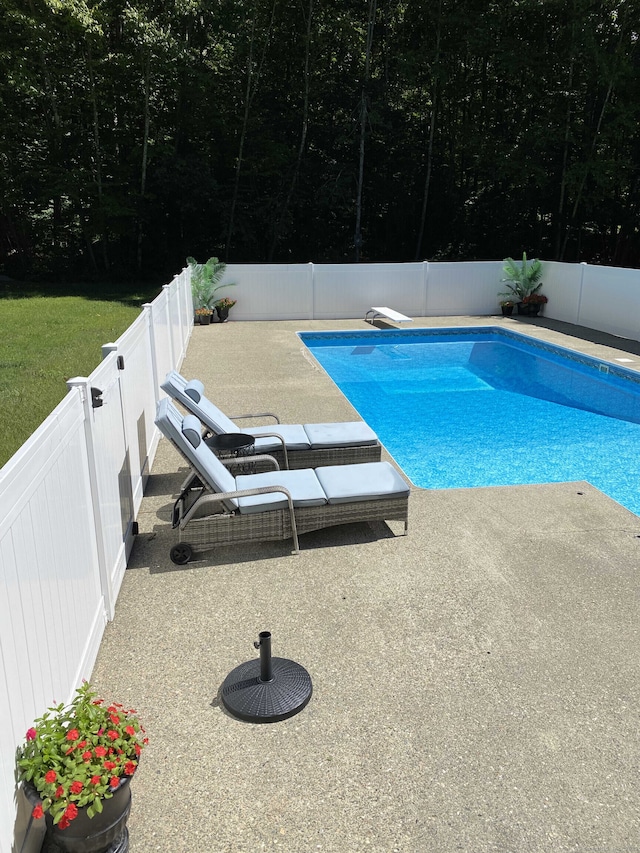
[268, 689]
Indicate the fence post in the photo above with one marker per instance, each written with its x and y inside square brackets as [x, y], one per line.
[583, 266]
[313, 289]
[83, 386]
[425, 287]
[166, 287]
[148, 310]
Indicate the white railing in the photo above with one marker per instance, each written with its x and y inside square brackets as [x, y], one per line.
[68, 502]
[602, 298]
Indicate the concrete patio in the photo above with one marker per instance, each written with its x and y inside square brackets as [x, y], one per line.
[475, 683]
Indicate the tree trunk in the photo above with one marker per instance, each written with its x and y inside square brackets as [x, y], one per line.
[250, 91]
[303, 137]
[432, 128]
[145, 149]
[363, 128]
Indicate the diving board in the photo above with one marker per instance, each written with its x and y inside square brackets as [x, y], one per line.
[389, 313]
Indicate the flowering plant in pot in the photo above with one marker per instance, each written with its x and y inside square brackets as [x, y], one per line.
[77, 757]
[203, 315]
[223, 306]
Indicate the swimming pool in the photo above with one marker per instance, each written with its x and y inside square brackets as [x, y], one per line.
[483, 406]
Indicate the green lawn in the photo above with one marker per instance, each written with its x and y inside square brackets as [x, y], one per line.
[43, 342]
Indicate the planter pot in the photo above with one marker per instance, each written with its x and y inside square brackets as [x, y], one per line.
[223, 314]
[203, 319]
[507, 310]
[529, 309]
[103, 833]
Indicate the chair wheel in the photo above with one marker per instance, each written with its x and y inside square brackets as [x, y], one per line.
[181, 553]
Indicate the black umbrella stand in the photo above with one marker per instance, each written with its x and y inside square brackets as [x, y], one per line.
[268, 689]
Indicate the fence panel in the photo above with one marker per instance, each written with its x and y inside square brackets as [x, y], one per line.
[136, 375]
[344, 291]
[68, 500]
[469, 288]
[51, 609]
[610, 300]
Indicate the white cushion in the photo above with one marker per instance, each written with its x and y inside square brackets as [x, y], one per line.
[302, 484]
[365, 481]
[348, 434]
[294, 436]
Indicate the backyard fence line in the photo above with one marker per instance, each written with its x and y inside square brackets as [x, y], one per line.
[68, 500]
[606, 299]
[72, 492]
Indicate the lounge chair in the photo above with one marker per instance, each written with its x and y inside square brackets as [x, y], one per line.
[292, 445]
[273, 505]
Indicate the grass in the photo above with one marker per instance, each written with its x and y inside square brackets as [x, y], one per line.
[45, 340]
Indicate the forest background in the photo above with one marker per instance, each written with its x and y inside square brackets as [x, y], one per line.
[137, 132]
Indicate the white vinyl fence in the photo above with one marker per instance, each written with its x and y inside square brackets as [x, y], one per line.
[602, 298]
[70, 496]
[68, 503]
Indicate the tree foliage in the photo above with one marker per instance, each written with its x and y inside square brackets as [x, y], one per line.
[138, 133]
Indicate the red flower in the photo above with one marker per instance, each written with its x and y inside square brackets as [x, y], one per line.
[100, 751]
[59, 792]
[82, 744]
[31, 734]
[114, 781]
[130, 730]
[71, 811]
[37, 811]
[115, 719]
[64, 823]
[113, 734]
[95, 780]
[109, 765]
[73, 734]
[50, 776]
[70, 750]
[76, 787]
[86, 756]
[130, 768]
[137, 748]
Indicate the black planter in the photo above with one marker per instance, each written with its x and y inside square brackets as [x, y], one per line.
[223, 314]
[529, 309]
[105, 832]
[205, 319]
[507, 310]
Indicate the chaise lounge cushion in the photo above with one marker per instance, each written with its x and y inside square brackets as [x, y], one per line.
[364, 481]
[348, 434]
[295, 438]
[303, 486]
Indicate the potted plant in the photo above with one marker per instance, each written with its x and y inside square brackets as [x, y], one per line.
[507, 306]
[203, 316]
[205, 282]
[76, 766]
[532, 304]
[523, 281]
[223, 307]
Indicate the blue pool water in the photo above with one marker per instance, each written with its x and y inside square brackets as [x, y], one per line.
[459, 408]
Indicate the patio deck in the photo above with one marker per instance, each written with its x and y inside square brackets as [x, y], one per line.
[475, 683]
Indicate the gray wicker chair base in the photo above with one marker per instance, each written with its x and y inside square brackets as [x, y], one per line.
[210, 531]
[312, 458]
